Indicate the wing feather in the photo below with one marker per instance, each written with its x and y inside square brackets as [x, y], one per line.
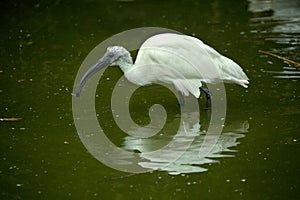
[185, 61]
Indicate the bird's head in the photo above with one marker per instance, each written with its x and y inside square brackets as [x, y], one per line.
[114, 55]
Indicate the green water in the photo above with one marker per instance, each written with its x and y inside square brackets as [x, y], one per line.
[42, 47]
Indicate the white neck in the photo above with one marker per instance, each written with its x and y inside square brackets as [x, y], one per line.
[125, 63]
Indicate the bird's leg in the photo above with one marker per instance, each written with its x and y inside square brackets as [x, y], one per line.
[181, 99]
[208, 97]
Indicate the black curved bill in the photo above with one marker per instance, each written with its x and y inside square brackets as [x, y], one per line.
[102, 62]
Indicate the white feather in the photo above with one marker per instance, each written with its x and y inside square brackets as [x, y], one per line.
[183, 61]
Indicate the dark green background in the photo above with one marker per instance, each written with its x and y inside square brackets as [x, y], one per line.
[42, 46]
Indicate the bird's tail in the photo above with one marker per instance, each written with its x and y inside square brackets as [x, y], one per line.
[243, 83]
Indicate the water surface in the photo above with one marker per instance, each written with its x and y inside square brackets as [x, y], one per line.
[43, 45]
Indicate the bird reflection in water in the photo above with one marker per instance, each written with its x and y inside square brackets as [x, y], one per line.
[189, 142]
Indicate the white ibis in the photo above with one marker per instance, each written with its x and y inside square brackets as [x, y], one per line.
[180, 60]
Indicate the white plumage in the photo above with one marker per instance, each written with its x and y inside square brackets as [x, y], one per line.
[181, 60]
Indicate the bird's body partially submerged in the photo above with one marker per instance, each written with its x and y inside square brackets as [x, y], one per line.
[176, 59]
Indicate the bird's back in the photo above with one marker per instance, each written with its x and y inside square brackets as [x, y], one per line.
[189, 56]
[184, 60]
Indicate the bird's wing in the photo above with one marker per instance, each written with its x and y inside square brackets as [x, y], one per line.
[185, 54]
[231, 71]
[157, 73]
[190, 57]
[188, 86]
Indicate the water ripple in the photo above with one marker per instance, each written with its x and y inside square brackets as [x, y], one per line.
[279, 22]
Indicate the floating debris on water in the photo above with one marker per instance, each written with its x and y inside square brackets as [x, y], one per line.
[10, 119]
